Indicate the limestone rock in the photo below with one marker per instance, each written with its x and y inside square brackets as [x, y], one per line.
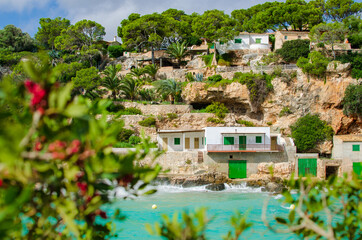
[197, 62]
[338, 67]
[215, 187]
[274, 187]
[325, 147]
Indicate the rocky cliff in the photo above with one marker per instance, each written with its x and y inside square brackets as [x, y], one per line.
[300, 95]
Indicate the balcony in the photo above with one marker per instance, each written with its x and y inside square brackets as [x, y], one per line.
[244, 148]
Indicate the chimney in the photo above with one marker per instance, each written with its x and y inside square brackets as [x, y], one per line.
[115, 39]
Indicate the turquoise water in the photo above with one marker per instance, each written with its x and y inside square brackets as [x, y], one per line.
[220, 204]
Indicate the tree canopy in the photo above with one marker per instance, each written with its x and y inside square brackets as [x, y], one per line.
[50, 29]
[14, 39]
[83, 33]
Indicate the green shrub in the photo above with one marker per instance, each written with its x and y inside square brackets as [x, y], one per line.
[115, 51]
[356, 63]
[223, 62]
[215, 120]
[172, 116]
[285, 111]
[134, 140]
[148, 122]
[115, 108]
[316, 65]
[208, 59]
[189, 77]
[269, 123]
[215, 78]
[131, 111]
[292, 50]
[277, 71]
[218, 108]
[221, 83]
[8, 58]
[245, 123]
[124, 135]
[259, 86]
[352, 101]
[68, 71]
[123, 145]
[270, 58]
[309, 130]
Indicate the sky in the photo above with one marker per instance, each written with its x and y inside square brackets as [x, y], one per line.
[25, 14]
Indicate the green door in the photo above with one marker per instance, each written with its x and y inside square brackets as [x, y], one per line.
[357, 168]
[237, 168]
[307, 166]
[242, 142]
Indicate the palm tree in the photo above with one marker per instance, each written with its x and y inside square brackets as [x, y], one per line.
[178, 50]
[169, 87]
[151, 70]
[111, 81]
[130, 87]
[137, 72]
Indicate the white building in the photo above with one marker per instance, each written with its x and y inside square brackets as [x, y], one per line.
[348, 149]
[235, 151]
[250, 41]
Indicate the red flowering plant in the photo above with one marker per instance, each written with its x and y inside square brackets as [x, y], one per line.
[57, 167]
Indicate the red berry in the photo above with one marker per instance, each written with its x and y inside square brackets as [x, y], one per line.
[38, 146]
[82, 186]
[103, 215]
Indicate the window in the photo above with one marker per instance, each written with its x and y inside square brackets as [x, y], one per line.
[221, 43]
[177, 141]
[258, 139]
[299, 37]
[228, 140]
[285, 37]
[238, 40]
[257, 40]
[355, 148]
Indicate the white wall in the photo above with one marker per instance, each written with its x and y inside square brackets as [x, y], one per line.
[214, 134]
[182, 135]
[248, 42]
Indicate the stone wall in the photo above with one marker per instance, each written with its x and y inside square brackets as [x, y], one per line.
[150, 109]
[179, 162]
[219, 162]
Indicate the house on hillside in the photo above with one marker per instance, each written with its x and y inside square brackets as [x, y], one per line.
[245, 41]
[348, 149]
[283, 36]
[235, 151]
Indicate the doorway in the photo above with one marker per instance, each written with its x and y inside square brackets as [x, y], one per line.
[331, 171]
[196, 143]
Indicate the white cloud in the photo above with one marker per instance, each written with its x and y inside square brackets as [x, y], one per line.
[110, 13]
[21, 5]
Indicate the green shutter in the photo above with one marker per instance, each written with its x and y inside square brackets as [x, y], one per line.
[355, 148]
[242, 142]
[238, 40]
[177, 141]
[357, 169]
[258, 139]
[205, 140]
[237, 168]
[212, 46]
[221, 43]
[307, 166]
[228, 140]
[258, 40]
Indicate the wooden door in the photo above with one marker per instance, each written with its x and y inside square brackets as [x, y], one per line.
[242, 142]
[307, 166]
[187, 143]
[237, 169]
[196, 143]
[274, 143]
[164, 144]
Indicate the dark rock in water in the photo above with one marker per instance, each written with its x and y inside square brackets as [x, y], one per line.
[215, 187]
[160, 180]
[274, 187]
[194, 183]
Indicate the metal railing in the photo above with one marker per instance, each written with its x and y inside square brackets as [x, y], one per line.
[244, 147]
